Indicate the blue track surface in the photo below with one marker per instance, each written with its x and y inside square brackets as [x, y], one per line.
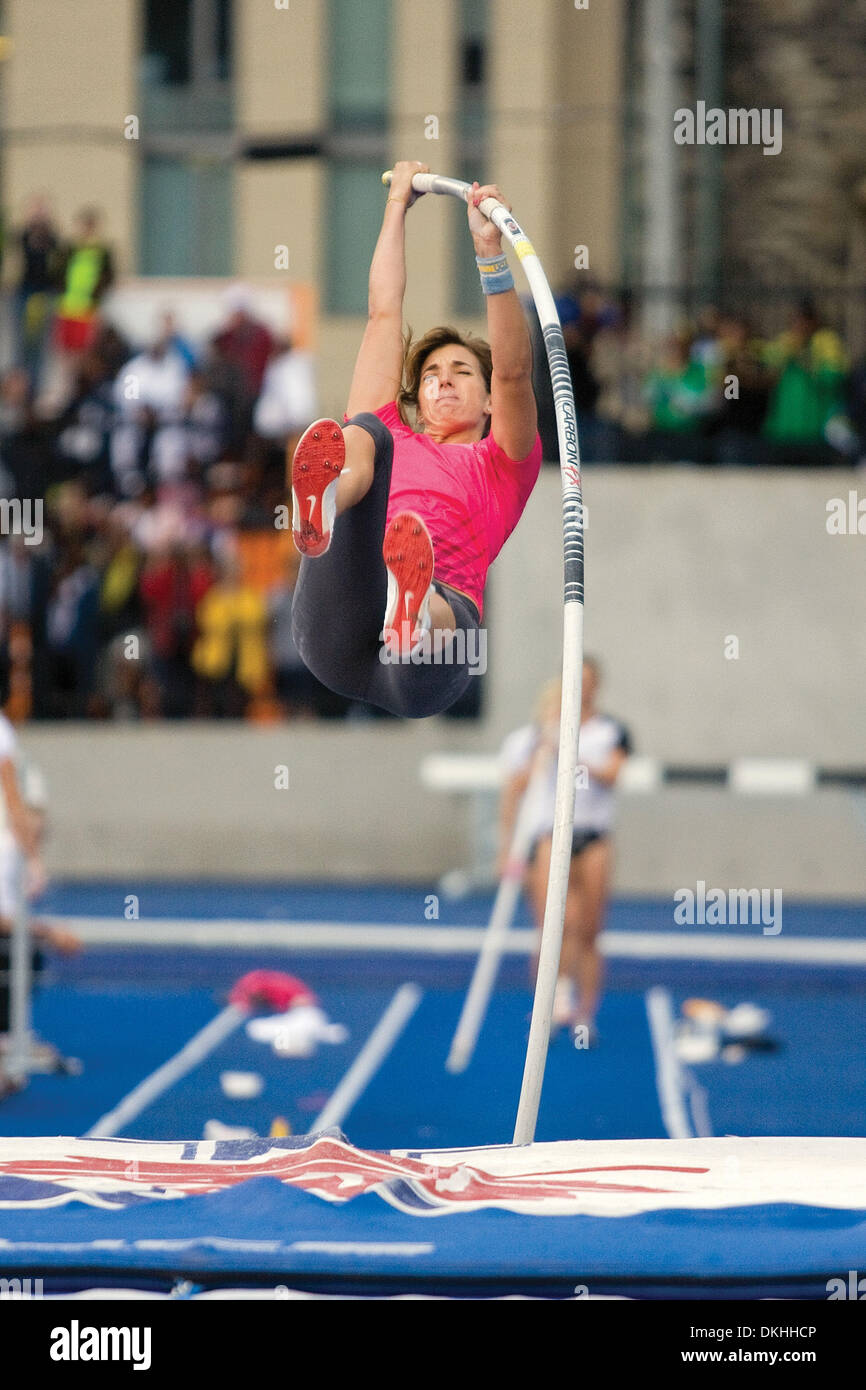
[125, 1012]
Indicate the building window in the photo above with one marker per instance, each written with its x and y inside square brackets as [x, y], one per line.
[167, 33]
[359, 66]
[186, 171]
[359, 62]
[185, 216]
[186, 65]
[354, 217]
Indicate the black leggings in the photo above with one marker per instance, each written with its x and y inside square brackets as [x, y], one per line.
[339, 606]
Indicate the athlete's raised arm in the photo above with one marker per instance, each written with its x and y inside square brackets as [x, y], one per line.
[379, 365]
[514, 416]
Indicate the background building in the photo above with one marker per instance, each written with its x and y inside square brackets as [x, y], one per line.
[260, 126]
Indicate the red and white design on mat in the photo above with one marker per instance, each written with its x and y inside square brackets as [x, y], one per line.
[615, 1178]
[328, 1167]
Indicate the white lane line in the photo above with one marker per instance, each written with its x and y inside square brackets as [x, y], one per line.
[256, 935]
[669, 1077]
[169, 1073]
[740, 949]
[370, 1058]
[364, 1247]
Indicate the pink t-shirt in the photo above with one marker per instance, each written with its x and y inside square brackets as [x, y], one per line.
[471, 497]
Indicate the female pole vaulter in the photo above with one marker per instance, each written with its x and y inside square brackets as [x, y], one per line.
[397, 526]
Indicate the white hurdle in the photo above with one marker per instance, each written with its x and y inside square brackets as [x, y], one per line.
[26, 1054]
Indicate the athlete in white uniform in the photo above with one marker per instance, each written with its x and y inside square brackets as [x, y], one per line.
[19, 826]
[604, 747]
[22, 823]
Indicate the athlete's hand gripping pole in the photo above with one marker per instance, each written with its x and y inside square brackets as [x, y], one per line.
[456, 188]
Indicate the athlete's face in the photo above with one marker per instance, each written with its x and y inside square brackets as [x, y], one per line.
[453, 397]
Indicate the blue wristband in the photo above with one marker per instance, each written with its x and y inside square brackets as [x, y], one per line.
[496, 277]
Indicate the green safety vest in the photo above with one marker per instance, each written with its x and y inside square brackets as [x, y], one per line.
[83, 274]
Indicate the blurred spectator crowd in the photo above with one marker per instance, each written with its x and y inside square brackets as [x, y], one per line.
[161, 582]
[717, 390]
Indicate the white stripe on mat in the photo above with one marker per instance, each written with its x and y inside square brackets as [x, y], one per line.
[364, 1247]
[670, 1081]
[169, 1073]
[370, 1058]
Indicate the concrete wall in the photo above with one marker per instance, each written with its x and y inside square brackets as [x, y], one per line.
[170, 802]
[678, 561]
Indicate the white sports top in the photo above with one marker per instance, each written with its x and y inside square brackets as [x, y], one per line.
[30, 781]
[594, 801]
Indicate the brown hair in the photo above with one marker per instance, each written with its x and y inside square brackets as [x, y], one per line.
[415, 355]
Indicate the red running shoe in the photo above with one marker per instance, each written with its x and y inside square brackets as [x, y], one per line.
[316, 468]
[408, 554]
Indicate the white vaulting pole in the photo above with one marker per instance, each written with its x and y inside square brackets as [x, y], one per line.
[572, 654]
